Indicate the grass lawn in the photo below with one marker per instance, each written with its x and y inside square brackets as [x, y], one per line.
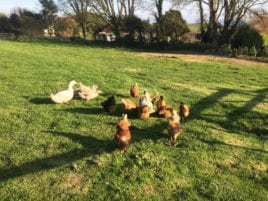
[66, 152]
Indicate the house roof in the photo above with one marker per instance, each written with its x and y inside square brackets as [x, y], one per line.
[106, 30]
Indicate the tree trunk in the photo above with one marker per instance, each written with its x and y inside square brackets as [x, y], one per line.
[159, 19]
[232, 18]
[212, 22]
[202, 21]
[84, 30]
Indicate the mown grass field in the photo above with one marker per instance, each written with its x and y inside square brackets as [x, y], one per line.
[66, 152]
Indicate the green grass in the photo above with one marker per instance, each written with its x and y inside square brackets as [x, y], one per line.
[66, 152]
[265, 38]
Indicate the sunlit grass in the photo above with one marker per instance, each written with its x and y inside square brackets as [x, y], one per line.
[66, 152]
[265, 38]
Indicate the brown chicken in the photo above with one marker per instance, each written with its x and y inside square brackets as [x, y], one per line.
[153, 99]
[130, 107]
[165, 111]
[162, 108]
[175, 117]
[109, 105]
[160, 103]
[144, 112]
[174, 130]
[184, 111]
[174, 127]
[134, 91]
[123, 135]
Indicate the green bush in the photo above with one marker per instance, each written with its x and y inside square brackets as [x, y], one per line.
[247, 41]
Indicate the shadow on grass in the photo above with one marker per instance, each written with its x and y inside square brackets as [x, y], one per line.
[96, 110]
[41, 101]
[152, 133]
[84, 110]
[218, 142]
[208, 101]
[91, 146]
[237, 114]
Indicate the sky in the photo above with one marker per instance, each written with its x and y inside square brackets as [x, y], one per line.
[6, 6]
[190, 14]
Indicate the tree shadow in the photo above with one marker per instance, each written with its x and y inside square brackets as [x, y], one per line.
[208, 101]
[231, 122]
[91, 146]
[218, 142]
[261, 94]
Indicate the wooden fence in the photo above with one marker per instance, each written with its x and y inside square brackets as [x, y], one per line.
[7, 36]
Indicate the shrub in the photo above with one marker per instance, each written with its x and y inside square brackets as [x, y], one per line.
[247, 40]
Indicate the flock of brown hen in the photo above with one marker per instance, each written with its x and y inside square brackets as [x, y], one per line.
[143, 110]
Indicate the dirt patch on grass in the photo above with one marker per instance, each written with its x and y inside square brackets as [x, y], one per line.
[73, 181]
[263, 107]
[202, 58]
[230, 162]
[131, 70]
[148, 190]
[182, 183]
[260, 167]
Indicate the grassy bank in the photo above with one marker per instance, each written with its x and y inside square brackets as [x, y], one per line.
[265, 38]
[66, 152]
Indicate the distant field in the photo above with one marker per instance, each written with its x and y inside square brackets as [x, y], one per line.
[194, 28]
[66, 152]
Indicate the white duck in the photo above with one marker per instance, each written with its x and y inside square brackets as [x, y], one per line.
[64, 96]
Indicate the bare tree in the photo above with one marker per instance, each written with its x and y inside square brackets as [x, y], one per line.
[114, 11]
[234, 11]
[157, 8]
[223, 18]
[259, 19]
[159, 18]
[79, 9]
